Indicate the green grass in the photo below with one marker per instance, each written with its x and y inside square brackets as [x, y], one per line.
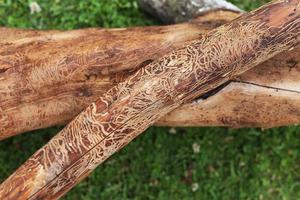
[231, 164]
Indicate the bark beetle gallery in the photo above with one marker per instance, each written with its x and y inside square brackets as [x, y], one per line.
[153, 91]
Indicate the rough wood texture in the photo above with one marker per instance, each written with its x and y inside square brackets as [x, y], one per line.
[47, 78]
[265, 96]
[47, 82]
[128, 109]
[174, 11]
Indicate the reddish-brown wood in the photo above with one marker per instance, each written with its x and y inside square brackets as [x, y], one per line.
[129, 108]
[265, 96]
[44, 83]
[47, 78]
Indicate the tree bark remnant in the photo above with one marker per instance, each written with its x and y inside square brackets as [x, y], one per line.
[175, 11]
[129, 108]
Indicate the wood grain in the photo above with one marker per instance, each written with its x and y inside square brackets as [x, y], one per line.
[265, 96]
[129, 108]
[46, 83]
[49, 77]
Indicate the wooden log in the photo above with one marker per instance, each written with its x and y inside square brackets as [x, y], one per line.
[128, 109]
[47, 78]
[40, 61]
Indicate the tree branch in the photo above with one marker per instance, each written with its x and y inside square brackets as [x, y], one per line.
[128, 109]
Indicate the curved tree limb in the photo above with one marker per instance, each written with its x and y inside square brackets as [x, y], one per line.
[128, 109]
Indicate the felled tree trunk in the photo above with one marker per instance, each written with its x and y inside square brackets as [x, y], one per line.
[38, 91]
[128, 109]
[48, 77]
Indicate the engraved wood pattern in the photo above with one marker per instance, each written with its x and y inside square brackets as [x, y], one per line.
[128, 109]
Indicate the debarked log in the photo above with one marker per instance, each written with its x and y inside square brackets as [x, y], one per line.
[48, 77]
[130, 107]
